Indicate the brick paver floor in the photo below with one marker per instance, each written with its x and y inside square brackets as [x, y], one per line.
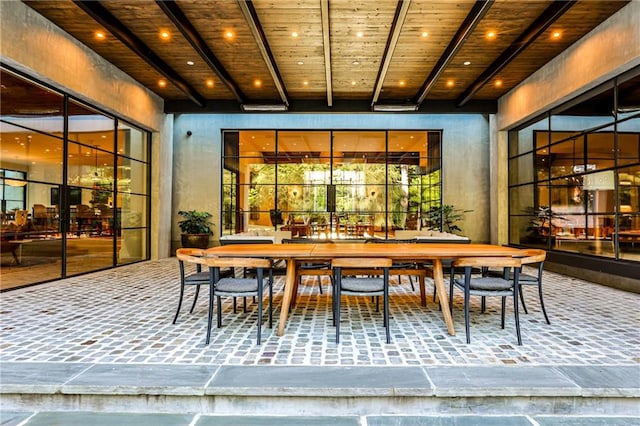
[125, 316]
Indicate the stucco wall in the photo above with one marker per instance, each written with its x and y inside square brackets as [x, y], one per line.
[465, 151]
[37, 47]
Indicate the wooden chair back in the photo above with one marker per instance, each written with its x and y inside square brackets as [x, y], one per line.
[191, 255]
[500, 261]
[361, 262]
[233, 262]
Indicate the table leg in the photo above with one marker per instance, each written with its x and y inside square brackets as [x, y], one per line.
[443, 296]
[289, 286]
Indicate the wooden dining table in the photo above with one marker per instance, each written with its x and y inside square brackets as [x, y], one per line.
[432, 252]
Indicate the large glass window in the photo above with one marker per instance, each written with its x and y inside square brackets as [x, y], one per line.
[74, 201]
[573, 175]
[330, 184]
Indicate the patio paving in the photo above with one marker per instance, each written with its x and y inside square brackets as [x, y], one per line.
[124, 316]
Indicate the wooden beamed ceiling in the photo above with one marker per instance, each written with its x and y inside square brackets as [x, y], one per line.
[328, 55]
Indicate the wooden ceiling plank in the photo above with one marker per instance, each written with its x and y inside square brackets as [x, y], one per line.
[253, 22]
[394, 34]
[326, 44]
[101, 15]
[480, 8]
[177, 16]
[546, 19]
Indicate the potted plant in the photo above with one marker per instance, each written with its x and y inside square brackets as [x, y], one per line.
[196, 228]
[445, 217]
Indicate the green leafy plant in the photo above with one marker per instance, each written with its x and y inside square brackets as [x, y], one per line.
[195, 222]
[445, 217]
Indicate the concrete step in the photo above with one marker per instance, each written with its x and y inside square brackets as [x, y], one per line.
[347, 393]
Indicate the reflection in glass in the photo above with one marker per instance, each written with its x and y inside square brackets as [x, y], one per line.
[132, 246]
[132, 142]
[43, 112]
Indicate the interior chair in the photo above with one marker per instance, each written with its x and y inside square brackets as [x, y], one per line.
[192, 256]
[473, 285]
[360, 286]
[535, 259]
[409, 269]
[239, 287]
[315, 268]
[40, 217]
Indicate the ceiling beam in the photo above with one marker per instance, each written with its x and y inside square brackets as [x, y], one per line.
[251, 17]
[177, 16]
[392, 41]
[479, 9]
[101, 15]
[547, 18]
[326, 43]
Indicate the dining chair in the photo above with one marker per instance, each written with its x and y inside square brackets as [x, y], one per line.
[191, 256]
[535, 259]
[239, 287]
[375, 285]
[474, 285]
[309, 268]
[408, 268]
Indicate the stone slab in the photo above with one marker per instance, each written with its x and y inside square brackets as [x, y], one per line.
[277, 420]
[448, 420]
[142, 379]
[37, 377]
[320, 381]
[109, 419]
[500, 381]
[13, 418]
[586, 421]
[605, 380]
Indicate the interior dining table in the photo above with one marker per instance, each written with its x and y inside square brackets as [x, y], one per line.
[432, 253]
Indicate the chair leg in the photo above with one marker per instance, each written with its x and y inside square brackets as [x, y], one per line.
[211, 296]
[386, 307]
[524, 306]
[270, 301]
[517, 318]
[504, 303]
[337, 313]
[544, 311]
[483, 304]
[259, 308]
[411, 282]
[244, 305]
[219, 312]
[467, 296]
[179, 303]
[234, 305]
[320, 283]
[195, 298]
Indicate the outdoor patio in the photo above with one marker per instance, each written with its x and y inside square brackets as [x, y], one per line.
[102, 349]
[124, 316]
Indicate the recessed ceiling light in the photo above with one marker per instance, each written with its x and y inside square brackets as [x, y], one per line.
[355, 63]
[165, 35]
[353, 83]
[228, 34]
[402, 83]
[257, 83]
[306, 83]
[359, 34]
[209, 83]
[491, 35]
[556, 34]
[162, 83]
[425, 34]
[300, 63]
[450, 83]
[100, 35]
[498, 83]
[190, 62]
[294, 34]
[466, 63]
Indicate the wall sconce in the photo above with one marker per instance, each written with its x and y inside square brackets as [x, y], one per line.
[189, 133]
